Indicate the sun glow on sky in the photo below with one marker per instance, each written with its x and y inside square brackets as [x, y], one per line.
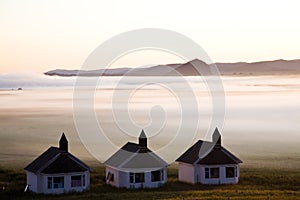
[43, 35]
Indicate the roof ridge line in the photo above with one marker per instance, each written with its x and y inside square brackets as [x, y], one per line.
[158, 158]
[206, 153]
[78, 161]
[49, 162]
[128, 159]
[228, 153]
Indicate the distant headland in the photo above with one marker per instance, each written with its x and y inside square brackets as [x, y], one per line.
[192, 68]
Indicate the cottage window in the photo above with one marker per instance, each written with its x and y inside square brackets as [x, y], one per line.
[230, 172]
[206, 172]
[213, 172]
[55, 182]
[157, 175]
[136, 177]
[131, 177]
[78, 181]
[139, 177]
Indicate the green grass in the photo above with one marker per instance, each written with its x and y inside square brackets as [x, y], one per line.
[255, 183]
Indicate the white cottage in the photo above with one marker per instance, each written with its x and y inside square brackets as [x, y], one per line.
[208, 163]
[57, 171]
[136, 166]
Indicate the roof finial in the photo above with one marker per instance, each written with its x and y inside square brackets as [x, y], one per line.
[63, 143]
[143, 139]
[216, 138]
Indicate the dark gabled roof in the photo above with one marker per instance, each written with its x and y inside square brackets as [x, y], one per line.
[135, 148]
[65, 163]
[192, 154]
[219, 156]
[43, 159]
[203, 152]
[55, 160]
[133, 157]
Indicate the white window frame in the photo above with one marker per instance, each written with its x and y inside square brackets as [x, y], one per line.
[234, 171]
[208, 170]
[133, 176]
[51, 178]
[82, 180]
[161, 175]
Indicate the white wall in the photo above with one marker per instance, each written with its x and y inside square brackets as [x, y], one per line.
[116, 176]
[87, 180]
[32, 181]
[121, 179]
[186, 173]
[200, 172]
[67, 183]
[149, 184]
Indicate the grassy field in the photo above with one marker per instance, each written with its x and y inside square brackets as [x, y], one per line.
[255, 183]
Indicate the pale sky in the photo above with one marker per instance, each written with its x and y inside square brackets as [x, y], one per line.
[37, 35]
